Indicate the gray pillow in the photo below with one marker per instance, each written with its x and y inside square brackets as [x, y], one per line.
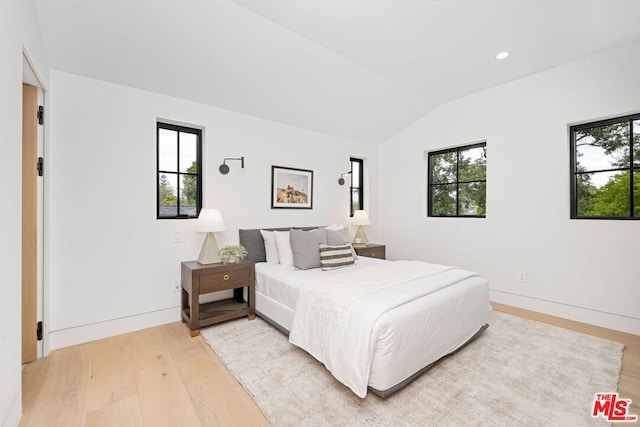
[339, 237]
[305, 246]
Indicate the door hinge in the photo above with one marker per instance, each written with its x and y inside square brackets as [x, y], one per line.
[41, 115]
[39, 331]
[40, 166]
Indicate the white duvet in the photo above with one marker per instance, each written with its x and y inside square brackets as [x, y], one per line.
[336, 319]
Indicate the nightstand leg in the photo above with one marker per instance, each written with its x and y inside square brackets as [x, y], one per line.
[251, 316]
[237, 294]
[195, 333]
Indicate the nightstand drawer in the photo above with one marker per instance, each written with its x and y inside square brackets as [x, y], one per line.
[223, 280]
[372, 251]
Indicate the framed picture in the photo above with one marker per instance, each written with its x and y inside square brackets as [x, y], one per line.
[291, 188]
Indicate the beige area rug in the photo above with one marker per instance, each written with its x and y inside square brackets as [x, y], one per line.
[519, 372]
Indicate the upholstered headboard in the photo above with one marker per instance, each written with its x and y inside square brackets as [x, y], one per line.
[252, 240]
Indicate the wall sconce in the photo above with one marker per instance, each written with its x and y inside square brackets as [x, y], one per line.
[341, 180]
[224, 169]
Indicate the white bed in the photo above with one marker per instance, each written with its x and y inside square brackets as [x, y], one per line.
[409, 338]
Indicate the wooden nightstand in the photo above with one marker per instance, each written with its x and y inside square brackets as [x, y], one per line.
[199, 279]
[371, 250]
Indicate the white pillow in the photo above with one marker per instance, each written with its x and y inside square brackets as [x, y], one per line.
[335, 227]
[270, 248]
[284, 247]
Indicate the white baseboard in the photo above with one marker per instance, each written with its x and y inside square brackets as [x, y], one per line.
[96, 331]
[579, 314]
[12, 418]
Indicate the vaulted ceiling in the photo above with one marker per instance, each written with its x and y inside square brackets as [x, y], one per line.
[360, 69]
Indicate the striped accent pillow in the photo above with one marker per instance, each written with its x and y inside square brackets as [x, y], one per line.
[332, 257]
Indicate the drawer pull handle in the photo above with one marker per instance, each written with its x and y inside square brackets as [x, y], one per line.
[225, 277]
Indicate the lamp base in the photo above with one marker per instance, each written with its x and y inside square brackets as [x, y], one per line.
[209, 251]
[361, 237]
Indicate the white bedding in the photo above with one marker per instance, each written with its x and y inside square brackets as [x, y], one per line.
[409, 337]
[336, 319]
[283, 283]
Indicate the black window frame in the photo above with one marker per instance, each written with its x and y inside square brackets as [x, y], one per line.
[353, 160]
[179, 129]
[431, 184]
[574, 164]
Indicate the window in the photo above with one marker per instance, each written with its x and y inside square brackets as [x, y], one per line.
[605, 169]
[357, 188]
[179, 171]
[458, 181]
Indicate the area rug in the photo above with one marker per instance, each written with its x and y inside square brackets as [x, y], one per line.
[518, 373]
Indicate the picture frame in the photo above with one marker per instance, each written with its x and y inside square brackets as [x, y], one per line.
[291, 188]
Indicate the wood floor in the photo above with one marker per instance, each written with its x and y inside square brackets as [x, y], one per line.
[163, 377]
[154, 377]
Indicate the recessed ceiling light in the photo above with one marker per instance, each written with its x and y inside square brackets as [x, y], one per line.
[502, 55]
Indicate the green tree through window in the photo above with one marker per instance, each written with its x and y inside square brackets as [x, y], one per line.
[179, 171]
[457, 181]
[605, 158]
[356, 195]
[190, 185]
[167, 192]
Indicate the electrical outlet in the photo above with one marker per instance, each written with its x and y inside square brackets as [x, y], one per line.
[522, 276]
[177, 237]
[175, 285]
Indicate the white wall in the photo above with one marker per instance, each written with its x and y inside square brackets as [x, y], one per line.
[18, 31]
[580, 269]
[112, 262]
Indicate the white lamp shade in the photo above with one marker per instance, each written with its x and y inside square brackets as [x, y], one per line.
[360, 218]
[210, 220]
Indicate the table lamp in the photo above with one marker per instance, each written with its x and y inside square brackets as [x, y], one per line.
[210, 221]
[360, 218]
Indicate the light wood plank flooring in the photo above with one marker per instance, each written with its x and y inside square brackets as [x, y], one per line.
[153, 377]
[163, 377]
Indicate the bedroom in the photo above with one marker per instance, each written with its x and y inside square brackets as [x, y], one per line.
[581, 270]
